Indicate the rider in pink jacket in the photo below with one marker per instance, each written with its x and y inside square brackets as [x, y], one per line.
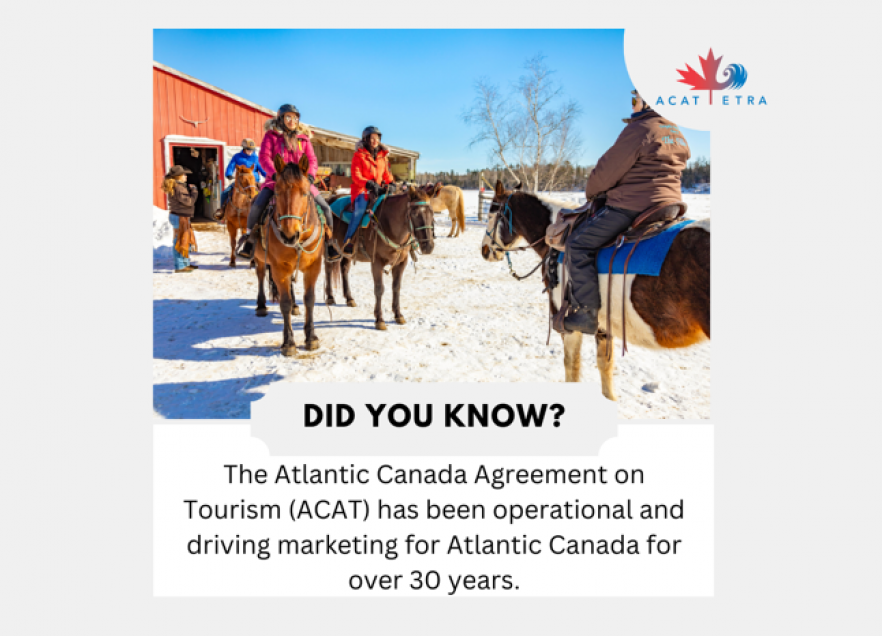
[286, 136]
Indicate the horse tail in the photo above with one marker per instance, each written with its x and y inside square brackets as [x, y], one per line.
[460, 211]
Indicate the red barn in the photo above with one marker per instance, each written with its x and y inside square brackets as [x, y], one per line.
[195, 123]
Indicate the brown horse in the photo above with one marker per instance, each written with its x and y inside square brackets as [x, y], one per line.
[291, 240]
[236, 210]
[402, 223]
[667, 311]
[450, 198]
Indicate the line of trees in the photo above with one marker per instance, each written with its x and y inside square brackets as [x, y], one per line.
[698, 171]
[566, 177]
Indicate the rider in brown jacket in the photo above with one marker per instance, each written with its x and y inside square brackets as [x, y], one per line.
[641, 170]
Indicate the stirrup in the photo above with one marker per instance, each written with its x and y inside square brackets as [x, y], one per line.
[336, 255]
[245, 249]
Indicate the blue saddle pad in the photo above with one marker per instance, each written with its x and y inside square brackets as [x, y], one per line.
[338, 205]
[648, 257]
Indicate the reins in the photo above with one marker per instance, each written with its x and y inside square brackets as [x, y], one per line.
[507, 214]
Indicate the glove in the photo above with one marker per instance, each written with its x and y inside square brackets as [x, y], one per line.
[311, 179]
[372, 187]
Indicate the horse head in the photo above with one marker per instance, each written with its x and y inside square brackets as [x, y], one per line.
[421, 218]
[501, 234]
[245, 181]
[292, 196]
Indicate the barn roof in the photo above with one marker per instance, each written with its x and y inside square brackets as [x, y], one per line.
[325, 136]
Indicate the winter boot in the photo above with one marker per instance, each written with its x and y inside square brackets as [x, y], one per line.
[332, 251]
[583, 319]
[246, 246]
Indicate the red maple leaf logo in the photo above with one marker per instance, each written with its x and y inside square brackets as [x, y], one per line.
[708, 82]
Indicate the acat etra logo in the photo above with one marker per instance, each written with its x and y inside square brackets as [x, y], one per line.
[735, 76]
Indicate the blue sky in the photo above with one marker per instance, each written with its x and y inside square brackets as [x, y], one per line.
[412, 84]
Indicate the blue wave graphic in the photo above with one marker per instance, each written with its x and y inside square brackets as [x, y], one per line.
[735, 75]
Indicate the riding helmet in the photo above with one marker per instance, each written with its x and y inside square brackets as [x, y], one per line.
[370, 130]
[288, 108]
[249, 143]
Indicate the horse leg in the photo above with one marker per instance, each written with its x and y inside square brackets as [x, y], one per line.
[295, 310]
[345, 264]
[233, 231]
[329, 283]
[397, 276]
[377, 271]
[606, 364]
[283, 284]
[453, 222]
[261, 296]
[572, 343]
[310, 277]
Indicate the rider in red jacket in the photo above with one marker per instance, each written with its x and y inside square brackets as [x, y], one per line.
[370, 171]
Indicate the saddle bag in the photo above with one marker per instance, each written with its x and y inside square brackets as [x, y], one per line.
[557, 234]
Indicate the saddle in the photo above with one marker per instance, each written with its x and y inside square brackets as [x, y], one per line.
[649, 223]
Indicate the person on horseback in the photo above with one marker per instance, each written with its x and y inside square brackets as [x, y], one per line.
[370, 170]
[641, 170]
[285, 135]
[246, 157]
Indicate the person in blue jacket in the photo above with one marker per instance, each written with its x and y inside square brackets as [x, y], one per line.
[247, 157]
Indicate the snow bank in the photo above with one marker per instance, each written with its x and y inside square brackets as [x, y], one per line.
[163, 235]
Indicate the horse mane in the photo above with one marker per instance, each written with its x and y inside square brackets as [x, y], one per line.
[554, 205]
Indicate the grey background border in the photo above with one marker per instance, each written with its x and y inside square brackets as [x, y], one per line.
[794, 381]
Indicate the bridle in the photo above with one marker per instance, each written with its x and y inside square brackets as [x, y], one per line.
[244, 190]
[507, 214]
[306, 245]
[411, 239]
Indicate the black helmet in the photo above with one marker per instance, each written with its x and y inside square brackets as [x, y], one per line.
[371, 130]
[288, 108]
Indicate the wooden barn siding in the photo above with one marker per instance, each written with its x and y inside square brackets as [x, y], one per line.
[174, 97]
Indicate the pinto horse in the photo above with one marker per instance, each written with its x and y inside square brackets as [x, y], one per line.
[667, 311]
[238, 205]
[402, 223]
[291, 240]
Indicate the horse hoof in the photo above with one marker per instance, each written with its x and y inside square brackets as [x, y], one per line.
[261, 312]
[312, 345]
[400, 320]
[351, 303]
[380, 325]
[330, 302]
[610, 395]
[295, 311]
[289, 351]
[232, 265]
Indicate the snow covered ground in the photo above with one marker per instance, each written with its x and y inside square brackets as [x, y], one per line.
[468, 321]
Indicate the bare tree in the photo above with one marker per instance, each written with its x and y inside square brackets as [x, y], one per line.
[529, 131]
[493, 117]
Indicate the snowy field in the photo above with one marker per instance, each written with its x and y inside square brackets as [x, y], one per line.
[467, 321]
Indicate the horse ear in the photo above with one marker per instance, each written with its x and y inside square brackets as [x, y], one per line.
[304, 163]
[248, 168]
[518, 186]
[500, 189]
[437, 189]
[279, 163]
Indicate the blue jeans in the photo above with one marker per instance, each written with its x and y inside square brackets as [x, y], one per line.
[358, 208]
[180, 262]
[226, 195]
